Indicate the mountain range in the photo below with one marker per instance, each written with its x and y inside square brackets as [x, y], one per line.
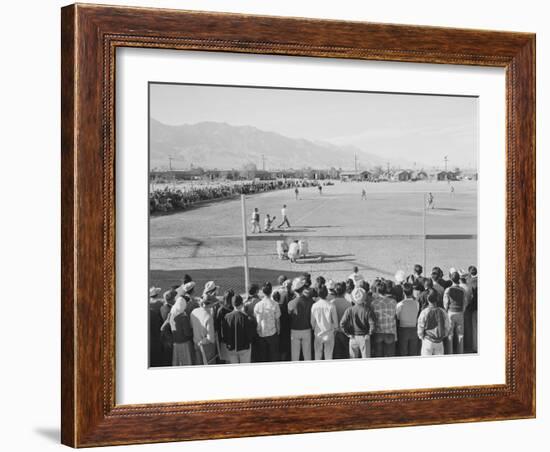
[218, 145]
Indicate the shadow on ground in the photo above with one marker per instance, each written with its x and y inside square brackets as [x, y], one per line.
[225, 278]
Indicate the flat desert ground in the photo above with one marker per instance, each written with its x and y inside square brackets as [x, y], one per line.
[381, 234]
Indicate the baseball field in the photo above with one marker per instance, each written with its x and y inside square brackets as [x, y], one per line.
[381, 234]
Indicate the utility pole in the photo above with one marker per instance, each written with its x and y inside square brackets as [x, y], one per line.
[263, 162]
[170, 158]
[355, 164]
[446, 159]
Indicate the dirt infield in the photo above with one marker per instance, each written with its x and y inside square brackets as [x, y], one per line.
[380, 235]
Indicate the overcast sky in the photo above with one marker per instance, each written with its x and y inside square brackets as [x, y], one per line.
[416, 127]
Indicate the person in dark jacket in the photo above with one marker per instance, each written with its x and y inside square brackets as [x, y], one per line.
[182, 334]
[454, 302]
[358, 324]
[434, 327]
[166, 339]
[155, 322]
[299, 310]
[220, 311]
[239, 330]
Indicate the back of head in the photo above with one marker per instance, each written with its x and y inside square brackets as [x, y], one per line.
[455, 277]
[253, 290]
[355, 269]
[276, 296]
[432, 297]
[473, 270]
[350, 285]
[267, 289]
[323, 292]
[228, 296]
[359, 295]
[428, 284]
[408, 289]
[237, 301]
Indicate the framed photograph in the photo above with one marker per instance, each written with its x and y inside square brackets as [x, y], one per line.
[282, 225]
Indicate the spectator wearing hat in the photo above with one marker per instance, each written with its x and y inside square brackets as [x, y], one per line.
[239, 330]
[282, 296]
[182, 334]
[464, 279]
[324, 322]
[407, 312]
[299, 310]
[267, 314]
[358, 324]
[155, 322]
[341, 340]
[166, 339]
[434, 327]
[454, 302]
[385, 333]
[202, 322]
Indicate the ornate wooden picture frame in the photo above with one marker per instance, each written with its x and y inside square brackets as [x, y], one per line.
[90, 37]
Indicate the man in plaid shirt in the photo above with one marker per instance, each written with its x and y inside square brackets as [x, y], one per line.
[385, 331]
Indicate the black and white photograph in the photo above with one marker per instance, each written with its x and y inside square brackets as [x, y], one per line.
[294, 224]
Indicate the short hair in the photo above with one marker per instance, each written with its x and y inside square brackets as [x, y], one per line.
[187, 278]
[355, 269]
[276, 296]
[237, 301]
[350, 285]
[340, 288]
[382, 287]
[408, 289]
[428, 284]
[472, 269]
[253, 289]
[321, 281]
[364, 285]
[228, 296]
[432, 296]
[323, 291]
[267, 288]
[455, 277]
[307, 279]
[281, 279]
[418, 269]
[418, 286]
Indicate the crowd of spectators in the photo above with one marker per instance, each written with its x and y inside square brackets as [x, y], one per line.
[174, 197]
[300, 319]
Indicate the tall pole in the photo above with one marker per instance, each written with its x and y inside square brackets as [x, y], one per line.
[355, 164]
[245, 246]
[424, 232]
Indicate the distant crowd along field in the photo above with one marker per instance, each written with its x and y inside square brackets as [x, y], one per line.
[168, 198]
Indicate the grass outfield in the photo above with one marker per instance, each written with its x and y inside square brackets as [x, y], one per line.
[380, 235]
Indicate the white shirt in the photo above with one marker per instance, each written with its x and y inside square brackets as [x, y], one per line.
[356, 277]
[283, 212]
